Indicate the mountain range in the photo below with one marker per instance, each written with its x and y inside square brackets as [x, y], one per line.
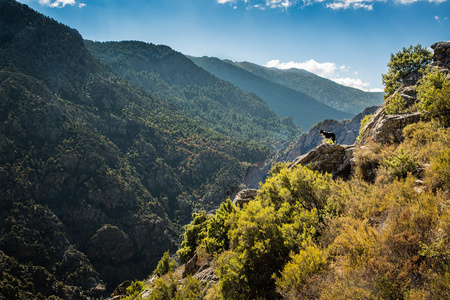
[299, 94]
[200, 95]
[97, 175]
[106, 150]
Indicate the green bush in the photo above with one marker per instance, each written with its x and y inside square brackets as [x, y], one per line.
[433, 92]
[400, 164]
[302, 266]
[396, 105]
[402, 64]
[194, 233]
[165, 265]
[364, 122]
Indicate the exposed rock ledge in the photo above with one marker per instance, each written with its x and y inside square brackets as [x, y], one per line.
[334, 159]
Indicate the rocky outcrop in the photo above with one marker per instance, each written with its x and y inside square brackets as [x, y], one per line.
[191, 266]
[383, 128]
[346, 132]
[334, 159]
[441, 57]
[245, 196]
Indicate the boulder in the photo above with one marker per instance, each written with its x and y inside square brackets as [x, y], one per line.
[245, 196]
[121, 290]
[333, 159]
[191, 266]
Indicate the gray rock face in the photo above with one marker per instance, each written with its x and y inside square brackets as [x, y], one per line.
[245, 196]
[333, 159]
[346, 132]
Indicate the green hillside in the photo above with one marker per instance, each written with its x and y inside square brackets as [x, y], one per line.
[200, 95]
[286, 102]
[96, 175]
[340, 97]
[382, 234]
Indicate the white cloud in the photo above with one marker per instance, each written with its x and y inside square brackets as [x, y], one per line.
[327, 70]
[355, 4]
[81, 5]
[352, 82]
[322, 69]
[57, 3]
[331, 4]
[439, 19]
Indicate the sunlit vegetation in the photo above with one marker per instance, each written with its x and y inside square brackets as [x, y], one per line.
[404, 63]
[382, 234]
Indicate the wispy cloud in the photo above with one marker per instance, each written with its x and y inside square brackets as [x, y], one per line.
[327, 70]
[60, 3]
[346, 4]
[322, 69]
[440, 20]
[331, 4]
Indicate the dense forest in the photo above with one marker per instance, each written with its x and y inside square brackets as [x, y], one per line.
[381, 234]
[97, 176]
[200, 95]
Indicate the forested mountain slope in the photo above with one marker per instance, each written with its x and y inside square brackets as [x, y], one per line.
[96, 174]
[340, 97]
[200, 95]
[383, 232]
[286, 102]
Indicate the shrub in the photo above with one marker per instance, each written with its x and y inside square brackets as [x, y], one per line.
[216, 237]
[362, 130]
[396, 105]
[302, 266]
[433, 93]
[165, 265]
[191, 289]
[134, 289]
[163, 289]
[402, 64]
[194, 233]
[400, 164]
[354, 242]
[440, 169]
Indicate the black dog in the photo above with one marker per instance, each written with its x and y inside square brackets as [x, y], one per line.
[328, 135]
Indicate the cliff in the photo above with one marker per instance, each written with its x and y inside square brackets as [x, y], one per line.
[346, 133]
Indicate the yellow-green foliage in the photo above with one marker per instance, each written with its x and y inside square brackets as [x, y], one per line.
[300, 268]
[396, 105]
[400, 164]
[404, 63]
[364, 122]
[383, 234]
[163, 289]
[134, 290]
[165, 265]
[433, 92]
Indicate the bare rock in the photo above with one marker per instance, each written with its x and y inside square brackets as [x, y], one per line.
[191, 266]
[245, 196]
[121, 290]
[333, 159]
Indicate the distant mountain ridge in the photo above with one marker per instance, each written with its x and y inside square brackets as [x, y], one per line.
[326, 91]
[286, 102]
[217, 103]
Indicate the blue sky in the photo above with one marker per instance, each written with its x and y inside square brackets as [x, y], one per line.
[348, 41]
